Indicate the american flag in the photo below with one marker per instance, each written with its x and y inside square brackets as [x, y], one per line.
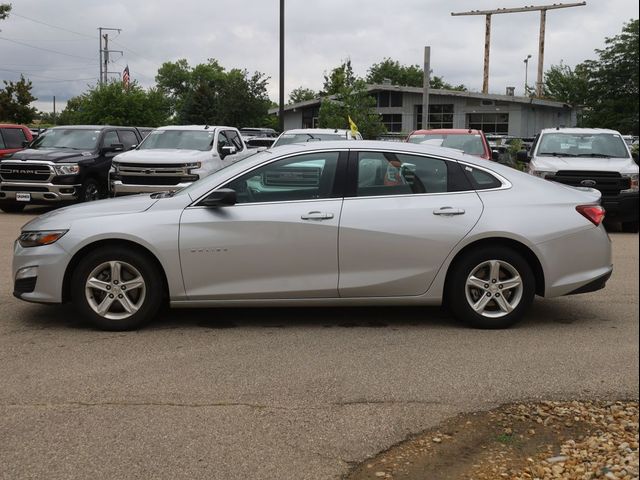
[125, 77]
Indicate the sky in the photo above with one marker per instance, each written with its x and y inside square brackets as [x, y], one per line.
[319, 36]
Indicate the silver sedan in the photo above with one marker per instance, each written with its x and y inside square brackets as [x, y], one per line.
[326, 223]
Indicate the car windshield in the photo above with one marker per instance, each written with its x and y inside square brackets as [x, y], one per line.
[468, 143]
[73, 138]
[287, 138]
[179, 140]
[596, 145]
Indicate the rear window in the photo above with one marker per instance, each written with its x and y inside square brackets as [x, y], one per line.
[470, 144]
[287, 138]
[12, 138]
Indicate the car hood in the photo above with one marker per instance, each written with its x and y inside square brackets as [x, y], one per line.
[164, 155]
[52, 155]
[63, 218]
[586, 164]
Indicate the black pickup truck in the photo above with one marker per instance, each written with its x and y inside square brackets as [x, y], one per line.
[63, 165]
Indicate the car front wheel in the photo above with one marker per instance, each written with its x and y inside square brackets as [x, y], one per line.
[117, 289]
[490, 288]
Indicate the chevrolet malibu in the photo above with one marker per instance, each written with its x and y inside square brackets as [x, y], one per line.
[319, 224]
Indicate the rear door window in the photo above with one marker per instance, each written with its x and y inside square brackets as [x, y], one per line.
[13, 137]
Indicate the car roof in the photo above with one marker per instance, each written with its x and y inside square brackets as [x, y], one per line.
[450, 131]
[579, 130]
[86, 127]
[192, 127]
[317, 130]
[11, 125]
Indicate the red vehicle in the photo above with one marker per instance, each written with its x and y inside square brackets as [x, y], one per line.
[472, 142]
[12, 138]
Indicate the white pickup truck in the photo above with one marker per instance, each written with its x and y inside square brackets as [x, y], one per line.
[173, 157]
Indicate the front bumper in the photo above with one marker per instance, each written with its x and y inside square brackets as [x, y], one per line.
[51, 262]
[41, 193]
[117, 188]
[622, 208]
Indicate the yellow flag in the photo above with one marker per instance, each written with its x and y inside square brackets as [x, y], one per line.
[353, 126]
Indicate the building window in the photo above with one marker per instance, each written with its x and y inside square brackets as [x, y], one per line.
[310, 117]
[440, 116]
[496, 123]
[389, 99]
[393, 122]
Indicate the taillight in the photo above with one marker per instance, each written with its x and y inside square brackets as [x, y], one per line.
[593, 213]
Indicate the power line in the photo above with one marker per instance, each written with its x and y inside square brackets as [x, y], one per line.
[44, 76]
[45, 49]
[13, 14]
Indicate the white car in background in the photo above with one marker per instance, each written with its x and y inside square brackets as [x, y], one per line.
[303, 135]
[171, 158]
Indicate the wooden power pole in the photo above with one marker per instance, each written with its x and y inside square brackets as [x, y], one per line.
[487, 35]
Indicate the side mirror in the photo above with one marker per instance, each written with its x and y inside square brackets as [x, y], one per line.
[114, 147]
[495, 155]
[224, 151]
[25, 143]
[133, 147]
[523, 156]
[223, 197]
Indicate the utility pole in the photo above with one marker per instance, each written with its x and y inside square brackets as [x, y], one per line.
[54, 109]
[281, 105]
[104, 53]
[543, 18]
[425, 87]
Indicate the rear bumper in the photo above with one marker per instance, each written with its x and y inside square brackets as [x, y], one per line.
[118, 188]
[41, 193]
[597, 284]
[622, 208]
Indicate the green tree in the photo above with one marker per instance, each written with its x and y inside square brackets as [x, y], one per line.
[613, 82]
[15, 101]
[208, 94]
[113, 104]
[405, 75]
[302, 94]
[5, 8]
[565, 84]
[350, 98]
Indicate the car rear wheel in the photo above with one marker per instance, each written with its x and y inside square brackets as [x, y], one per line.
[490, 288]
[117, 289]
[12, 207]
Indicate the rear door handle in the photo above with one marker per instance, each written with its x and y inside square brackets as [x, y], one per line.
[448, 211]
[317, 216]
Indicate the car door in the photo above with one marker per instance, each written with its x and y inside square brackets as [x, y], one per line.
[402, 216]
[280, 240]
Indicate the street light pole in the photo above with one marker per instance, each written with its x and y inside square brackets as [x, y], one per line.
[526, 74]
[281, 106]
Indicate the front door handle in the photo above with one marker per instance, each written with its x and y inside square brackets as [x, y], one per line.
[448, 211]
[317, 216]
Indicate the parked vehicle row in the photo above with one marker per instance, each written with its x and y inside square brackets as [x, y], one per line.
[324, 223]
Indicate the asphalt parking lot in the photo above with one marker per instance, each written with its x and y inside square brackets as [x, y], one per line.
[284, 393]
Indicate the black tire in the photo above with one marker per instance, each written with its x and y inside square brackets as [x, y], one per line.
[91, 190]
[12, 207]
[459, 297]
[148, 299]
[630, 227]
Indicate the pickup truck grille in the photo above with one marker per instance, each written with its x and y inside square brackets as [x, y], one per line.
[149, 180]
[609, 183]
[292, 177]
[24, 172]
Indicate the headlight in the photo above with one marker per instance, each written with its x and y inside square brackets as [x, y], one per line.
[633, 182]
[193, 166]
[541, 173]
[37, 239]
[66, 169]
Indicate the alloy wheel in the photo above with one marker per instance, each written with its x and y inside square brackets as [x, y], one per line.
[115, 290]
[494, 288]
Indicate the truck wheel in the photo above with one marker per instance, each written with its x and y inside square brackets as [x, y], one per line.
[117, 288]
[630, 227]
[12, 207]
[490, 288]
[90, 191]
